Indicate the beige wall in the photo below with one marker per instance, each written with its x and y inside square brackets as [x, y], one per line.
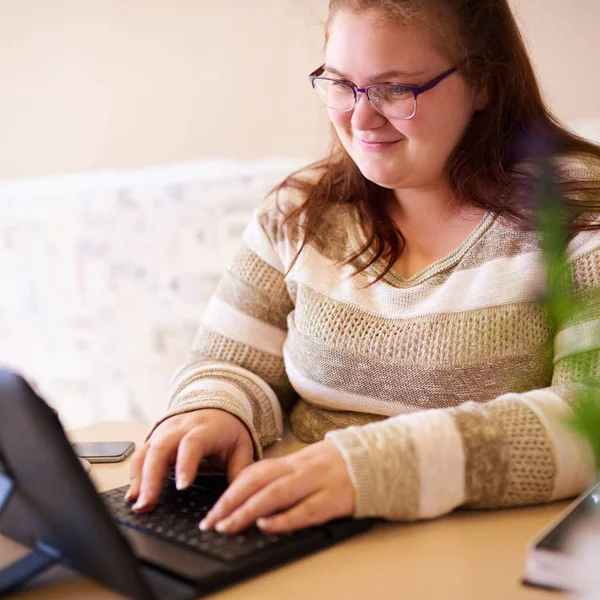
[564, 44]
[97, 84]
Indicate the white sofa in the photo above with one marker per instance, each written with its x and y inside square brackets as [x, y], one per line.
[105, 277]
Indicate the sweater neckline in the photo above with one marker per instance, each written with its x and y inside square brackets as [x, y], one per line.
[394, 278]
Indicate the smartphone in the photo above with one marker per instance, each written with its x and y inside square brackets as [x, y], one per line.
[103, 452]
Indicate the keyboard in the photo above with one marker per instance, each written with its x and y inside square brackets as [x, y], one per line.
[176, 517]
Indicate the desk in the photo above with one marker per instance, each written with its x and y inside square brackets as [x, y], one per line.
[467, 555]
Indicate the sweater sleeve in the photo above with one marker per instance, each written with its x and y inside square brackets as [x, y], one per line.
[236, 360]
[513, 450]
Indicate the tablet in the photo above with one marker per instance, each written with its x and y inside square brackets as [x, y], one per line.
[550, 561]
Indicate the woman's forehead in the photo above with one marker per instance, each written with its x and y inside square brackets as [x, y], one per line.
[367, 47]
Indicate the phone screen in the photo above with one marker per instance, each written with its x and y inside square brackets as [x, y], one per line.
[558, 537]
[103, 449]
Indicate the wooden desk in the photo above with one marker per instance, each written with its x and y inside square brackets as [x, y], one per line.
[466, 555]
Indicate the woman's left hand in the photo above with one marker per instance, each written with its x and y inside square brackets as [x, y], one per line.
[308, 487]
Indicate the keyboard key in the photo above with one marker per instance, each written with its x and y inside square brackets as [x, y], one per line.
[176, 519]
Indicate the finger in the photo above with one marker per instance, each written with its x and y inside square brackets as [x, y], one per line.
[242, 457]
[248, 483]
[192, 449]
[135, 473]
[159, 457]
[314, 510]
[287, 491]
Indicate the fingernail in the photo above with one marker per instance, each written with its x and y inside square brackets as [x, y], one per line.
[182, 481]
[141, 503]
[221, 526]
[261, 522]
[128, 496]
[204, 526]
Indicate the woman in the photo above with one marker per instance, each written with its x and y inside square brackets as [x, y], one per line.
[385, 299]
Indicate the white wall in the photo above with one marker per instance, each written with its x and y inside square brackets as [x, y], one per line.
[97, 84]
[94, 84]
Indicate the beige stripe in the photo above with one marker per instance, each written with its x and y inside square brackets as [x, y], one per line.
[263, 407]
[575, 468]
[485, 458]
[266, 421]
[310, 423]
[340, 380]
[213, 346]
[273, 213]
[340, 235]
[210, 345]
[333, 239]
[197, 398]
[588, 308]
[249, 267]
[577, 368]
[449, 339]
[382, 463]
[217, 389]
[531, 471]
[501, 240]
[586, 268]
[255, 302]
[234, 324]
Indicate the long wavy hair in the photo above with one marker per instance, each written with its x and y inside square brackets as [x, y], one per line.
[489, 168]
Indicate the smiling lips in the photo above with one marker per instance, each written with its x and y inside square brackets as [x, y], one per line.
[375, 146]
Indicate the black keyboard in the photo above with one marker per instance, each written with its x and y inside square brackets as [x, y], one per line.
[176, 519]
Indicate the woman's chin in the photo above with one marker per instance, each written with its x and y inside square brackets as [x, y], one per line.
[384, 177]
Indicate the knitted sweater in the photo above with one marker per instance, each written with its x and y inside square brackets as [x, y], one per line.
[446, 389]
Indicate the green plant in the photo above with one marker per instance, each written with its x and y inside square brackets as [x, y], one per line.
[559, 298]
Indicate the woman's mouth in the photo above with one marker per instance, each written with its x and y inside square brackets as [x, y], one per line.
[376, 146]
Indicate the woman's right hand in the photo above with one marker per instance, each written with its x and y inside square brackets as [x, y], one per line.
[184, 440]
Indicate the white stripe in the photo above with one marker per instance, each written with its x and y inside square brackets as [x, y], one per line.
[582, 337]
[213, 385]
[498, 282]
[582, 243]
[235, 325]
[334, 399]
[574, 458]
[441, 461]
[256, 239]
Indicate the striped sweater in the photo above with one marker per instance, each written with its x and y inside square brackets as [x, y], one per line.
[446, 389]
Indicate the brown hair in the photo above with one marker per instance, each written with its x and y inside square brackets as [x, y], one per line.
[487, 168]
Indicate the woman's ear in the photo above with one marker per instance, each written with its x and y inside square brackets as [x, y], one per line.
[482, 94]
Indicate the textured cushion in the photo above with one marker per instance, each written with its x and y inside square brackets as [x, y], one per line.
[105, 277]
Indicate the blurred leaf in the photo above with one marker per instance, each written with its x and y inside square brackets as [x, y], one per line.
[559, 299]
[586, 416]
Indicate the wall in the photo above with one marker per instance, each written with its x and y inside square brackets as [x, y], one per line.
[97, 84]
[563, 42]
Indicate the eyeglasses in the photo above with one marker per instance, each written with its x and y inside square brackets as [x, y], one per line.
[393, 101]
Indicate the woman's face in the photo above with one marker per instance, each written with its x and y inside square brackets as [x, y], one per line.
[361, 49]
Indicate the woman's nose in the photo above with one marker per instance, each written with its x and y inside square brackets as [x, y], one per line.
[365, 116]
